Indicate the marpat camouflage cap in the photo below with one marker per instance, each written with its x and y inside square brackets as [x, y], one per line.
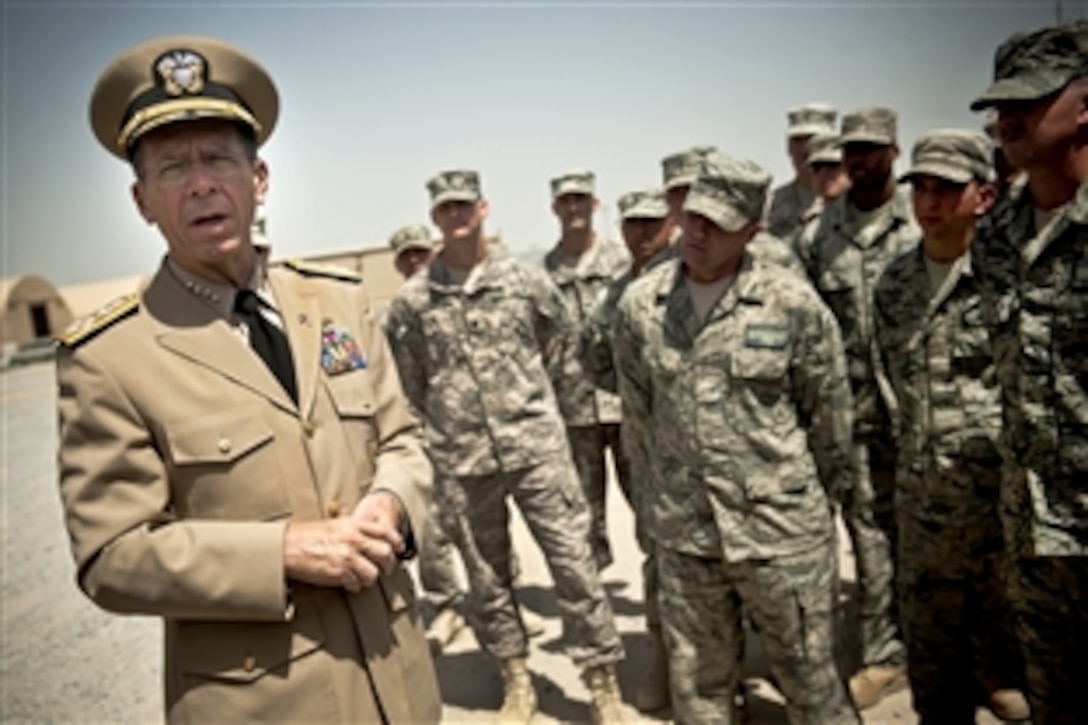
[680, 169]
[825, 148]
[574, 182]
[869, 125]
[811, 118]
[730, 192]
[413, 236]
[645, 204]
[454, 185]
[954, 154]
[1029, 66]
[180, 78]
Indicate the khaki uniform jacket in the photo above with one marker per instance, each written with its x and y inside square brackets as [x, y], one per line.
[582, 402]
[182, 460]
[743, 421]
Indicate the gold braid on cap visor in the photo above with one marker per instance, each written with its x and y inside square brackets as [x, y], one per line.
[159, 114]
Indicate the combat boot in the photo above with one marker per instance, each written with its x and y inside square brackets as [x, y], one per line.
[605, 701]
[1009, 705]
[533, 622]
[653, 694]
[875, 682]
[519, 697]
[445, 627]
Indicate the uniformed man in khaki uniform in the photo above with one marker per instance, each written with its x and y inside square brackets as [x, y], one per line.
[236, 454]
[790, 201]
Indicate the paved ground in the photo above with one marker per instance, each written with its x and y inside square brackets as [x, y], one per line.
[65, 661]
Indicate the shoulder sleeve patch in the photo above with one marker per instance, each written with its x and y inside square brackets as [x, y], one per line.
[85, 328]
[311, 269]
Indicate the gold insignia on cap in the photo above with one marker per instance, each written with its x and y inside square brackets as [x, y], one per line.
[181, 71]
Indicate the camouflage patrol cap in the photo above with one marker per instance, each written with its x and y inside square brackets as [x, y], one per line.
[180, 78]
[413, 236]
[681, 168]
[574, 182]
[825, 148]
[1029, 66]
[454, 185]
[811, 118]
[874, 124]
[645, 204]
[954, 154]
[730, 192]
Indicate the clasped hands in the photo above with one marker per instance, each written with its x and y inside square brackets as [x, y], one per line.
[347, 551]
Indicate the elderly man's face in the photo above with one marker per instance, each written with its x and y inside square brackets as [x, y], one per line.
[197, 184]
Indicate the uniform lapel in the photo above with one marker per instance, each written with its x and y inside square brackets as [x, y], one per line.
[193, 330]
[301, 315]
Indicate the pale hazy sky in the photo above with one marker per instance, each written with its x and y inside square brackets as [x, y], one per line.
[376, 97]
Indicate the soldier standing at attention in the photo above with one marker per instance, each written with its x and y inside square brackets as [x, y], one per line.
[1033, 264]
[645, 233]
[791, 201]
[934, 349]
[236, 454]
[480, 339]
[848, 247]
[582, 265]
[736, 400]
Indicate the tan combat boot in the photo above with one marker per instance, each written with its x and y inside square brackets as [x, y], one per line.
[653, 694]
[445, 627]
[605, 701]
[873, 683]
[519, 697]
[1009, 705]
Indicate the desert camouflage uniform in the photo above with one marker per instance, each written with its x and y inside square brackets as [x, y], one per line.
[952, 565]
[844, 269]
[1035, 293]
[739, 421]
[591, 413]
[475, 361]
[785, 215]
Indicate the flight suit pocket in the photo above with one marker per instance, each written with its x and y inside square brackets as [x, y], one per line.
[224, 466]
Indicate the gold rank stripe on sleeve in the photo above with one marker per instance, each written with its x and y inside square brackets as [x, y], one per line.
[85, 328]
[322, 270]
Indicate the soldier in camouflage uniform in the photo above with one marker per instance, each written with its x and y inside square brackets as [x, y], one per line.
[413, 249]
[846, 250]
[829, 176]
[476, 339]
[679, 171]
[582, 265]
[791, 201]
[938, 363]
[645, 232]
[736, 400]
[1032, 254]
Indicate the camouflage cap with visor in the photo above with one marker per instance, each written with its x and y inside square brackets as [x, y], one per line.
[643, 204]
[454, 185]
[681, 168]
[1030, 66]
[825, 148]
[574, 182]
[729, 192]
[180, 78]
[413, 236]
[810, 119]
[875, 125]
[957, 155]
